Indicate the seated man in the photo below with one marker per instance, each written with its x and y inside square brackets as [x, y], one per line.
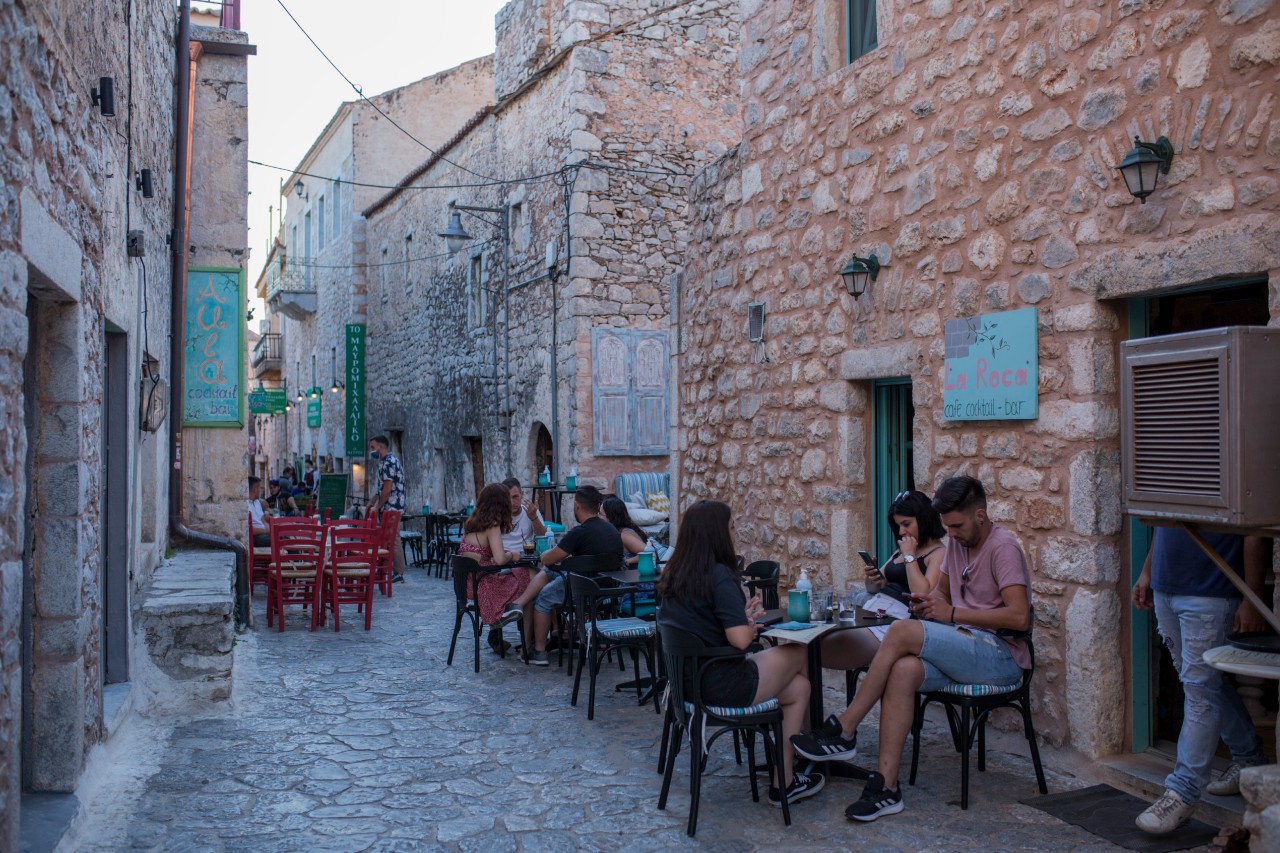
[592, 536]
[526, 521]
[257, 515]
[983, 589]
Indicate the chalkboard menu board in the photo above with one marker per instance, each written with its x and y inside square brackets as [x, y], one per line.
[332, 495]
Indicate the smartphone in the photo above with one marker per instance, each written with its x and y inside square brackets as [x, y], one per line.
[868, 559]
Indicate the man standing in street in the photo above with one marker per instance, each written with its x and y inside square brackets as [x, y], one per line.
[971, 629]
[390, 495]
[1196, 607]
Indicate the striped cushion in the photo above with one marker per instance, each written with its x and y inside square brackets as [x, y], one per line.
[410, 534]
[979, 689]
[738, 710]
[621, 629]
[634, 487]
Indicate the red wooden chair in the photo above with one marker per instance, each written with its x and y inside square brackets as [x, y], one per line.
[387, 526]
[261, 560]
[297, 554]
[349, 571]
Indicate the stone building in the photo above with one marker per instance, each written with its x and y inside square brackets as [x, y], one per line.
[970, 147]
[311, 278]
[544, 343]
[90, 135]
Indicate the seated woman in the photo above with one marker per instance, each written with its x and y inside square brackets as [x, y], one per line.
[701, 594]
[280, 502]
[482, 542]
[914, 568]
[634, 540]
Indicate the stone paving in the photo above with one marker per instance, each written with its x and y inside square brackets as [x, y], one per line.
[358, 741]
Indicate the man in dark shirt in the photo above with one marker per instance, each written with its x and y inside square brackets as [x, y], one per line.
[592, 536]
[1196, 607]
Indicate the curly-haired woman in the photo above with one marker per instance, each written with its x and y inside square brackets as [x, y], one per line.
[482, 542]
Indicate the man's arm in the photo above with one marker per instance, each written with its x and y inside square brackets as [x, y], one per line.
[555, 555]
[1248, 619]
[382, 498]
[1142, 598]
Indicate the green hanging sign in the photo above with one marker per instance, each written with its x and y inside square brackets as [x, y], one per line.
[313, 409]
[353, 431]
[266, 401]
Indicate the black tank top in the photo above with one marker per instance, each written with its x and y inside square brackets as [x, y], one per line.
[895, 573]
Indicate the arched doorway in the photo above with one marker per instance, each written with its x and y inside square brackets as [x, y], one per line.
[542, 454]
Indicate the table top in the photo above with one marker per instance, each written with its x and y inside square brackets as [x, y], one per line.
[630, 576]
[1244, 662]
[818, 629]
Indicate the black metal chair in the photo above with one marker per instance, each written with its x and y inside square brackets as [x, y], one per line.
[762, 577]
[598, 635]
[467, 574]
[968, 706]
[587, 565]
[687, 658]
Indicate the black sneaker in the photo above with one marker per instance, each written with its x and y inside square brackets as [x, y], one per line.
[513, 613]
[397, 577]
[876, 800]
[826, 744]
[801, 786]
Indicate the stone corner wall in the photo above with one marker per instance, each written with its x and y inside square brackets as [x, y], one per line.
[184, 633]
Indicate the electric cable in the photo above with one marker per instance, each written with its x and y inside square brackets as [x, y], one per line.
[360, 92]
[403, 261]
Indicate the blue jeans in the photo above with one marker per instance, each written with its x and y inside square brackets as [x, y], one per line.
[1191, 625]
[954, 655]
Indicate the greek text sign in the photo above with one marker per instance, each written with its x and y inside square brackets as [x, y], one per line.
[992, 367]
[213, 379]
[266, 401]
[354, 429]
[313, 410]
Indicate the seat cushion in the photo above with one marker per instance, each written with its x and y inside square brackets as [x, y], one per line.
[624, 628]
[738, 710]
[979, 689]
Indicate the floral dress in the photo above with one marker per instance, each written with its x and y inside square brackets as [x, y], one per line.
[495, 591]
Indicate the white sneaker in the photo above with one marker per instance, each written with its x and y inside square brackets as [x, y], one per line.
[1165, 814]
[1227, 784]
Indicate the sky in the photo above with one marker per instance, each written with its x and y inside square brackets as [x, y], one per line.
[293, 91]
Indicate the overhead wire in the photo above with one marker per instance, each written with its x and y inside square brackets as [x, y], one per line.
[402, 261]
[367, 100]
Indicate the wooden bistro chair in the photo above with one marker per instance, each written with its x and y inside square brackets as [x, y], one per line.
[597, 635]
[349, 571]
[466, 585]
[260, 565]
[386, 526]
[297, 553]
[968, 706]
[762, 577]
[686, 659]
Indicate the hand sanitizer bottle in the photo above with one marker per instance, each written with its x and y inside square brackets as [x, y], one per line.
[571, 481]
[804, 583]
[544, 479]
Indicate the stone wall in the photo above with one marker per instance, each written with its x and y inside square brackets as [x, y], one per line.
[216, 462]
[623, 104]
[68, 196]
[972, 152]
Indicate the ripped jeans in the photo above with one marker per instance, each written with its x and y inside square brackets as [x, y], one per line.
[1190, 626]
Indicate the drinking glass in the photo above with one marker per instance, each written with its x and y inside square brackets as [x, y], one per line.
[528, 547]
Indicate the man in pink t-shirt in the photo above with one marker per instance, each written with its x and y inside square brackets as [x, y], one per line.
[953, 640]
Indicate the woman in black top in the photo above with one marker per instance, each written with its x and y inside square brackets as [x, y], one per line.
[701, 594]
[914, 568]
[634, 539]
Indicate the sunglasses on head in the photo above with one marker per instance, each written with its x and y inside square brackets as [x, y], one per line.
[900, 495]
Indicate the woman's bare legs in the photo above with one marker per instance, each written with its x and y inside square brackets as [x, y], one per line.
[849, 649]
[783, 675]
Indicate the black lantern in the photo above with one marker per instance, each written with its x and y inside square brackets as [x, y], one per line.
[1144, 164]
[455, 236]
[858, 273]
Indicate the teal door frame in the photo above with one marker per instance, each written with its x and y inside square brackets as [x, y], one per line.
[1141, 686]
[893, 447]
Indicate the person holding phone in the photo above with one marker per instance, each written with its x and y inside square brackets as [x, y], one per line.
[913, 569]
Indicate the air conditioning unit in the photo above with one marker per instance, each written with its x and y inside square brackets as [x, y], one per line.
[1200, 422]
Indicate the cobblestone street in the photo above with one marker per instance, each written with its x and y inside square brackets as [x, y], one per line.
[366, 741]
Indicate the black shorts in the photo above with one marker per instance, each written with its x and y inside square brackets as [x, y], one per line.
[730, 683]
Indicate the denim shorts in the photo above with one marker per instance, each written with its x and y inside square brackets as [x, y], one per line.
[960, 655]
[551, 595]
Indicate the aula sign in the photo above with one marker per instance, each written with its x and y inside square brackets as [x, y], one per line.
[992, 367]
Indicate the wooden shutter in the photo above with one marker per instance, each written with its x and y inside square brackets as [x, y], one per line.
[629, 392]
[610, 386]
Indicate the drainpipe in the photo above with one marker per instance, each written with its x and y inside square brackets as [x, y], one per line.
[182, 126]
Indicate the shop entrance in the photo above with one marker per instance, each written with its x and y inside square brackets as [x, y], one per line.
[894, 462]
[1156, 693]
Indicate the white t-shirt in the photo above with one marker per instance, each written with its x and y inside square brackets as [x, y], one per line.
[255, 513]
[521, 531]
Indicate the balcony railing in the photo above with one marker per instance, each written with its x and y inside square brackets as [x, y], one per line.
[267, 348]
[282, 278]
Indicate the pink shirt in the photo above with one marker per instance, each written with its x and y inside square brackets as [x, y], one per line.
[996, 564]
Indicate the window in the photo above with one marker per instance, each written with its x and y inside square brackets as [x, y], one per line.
[336, 212]
[475, 288]
[515, 224]
[406, 258]
[861, 34]
[321, 233]
[306, 251]
[629, 392]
